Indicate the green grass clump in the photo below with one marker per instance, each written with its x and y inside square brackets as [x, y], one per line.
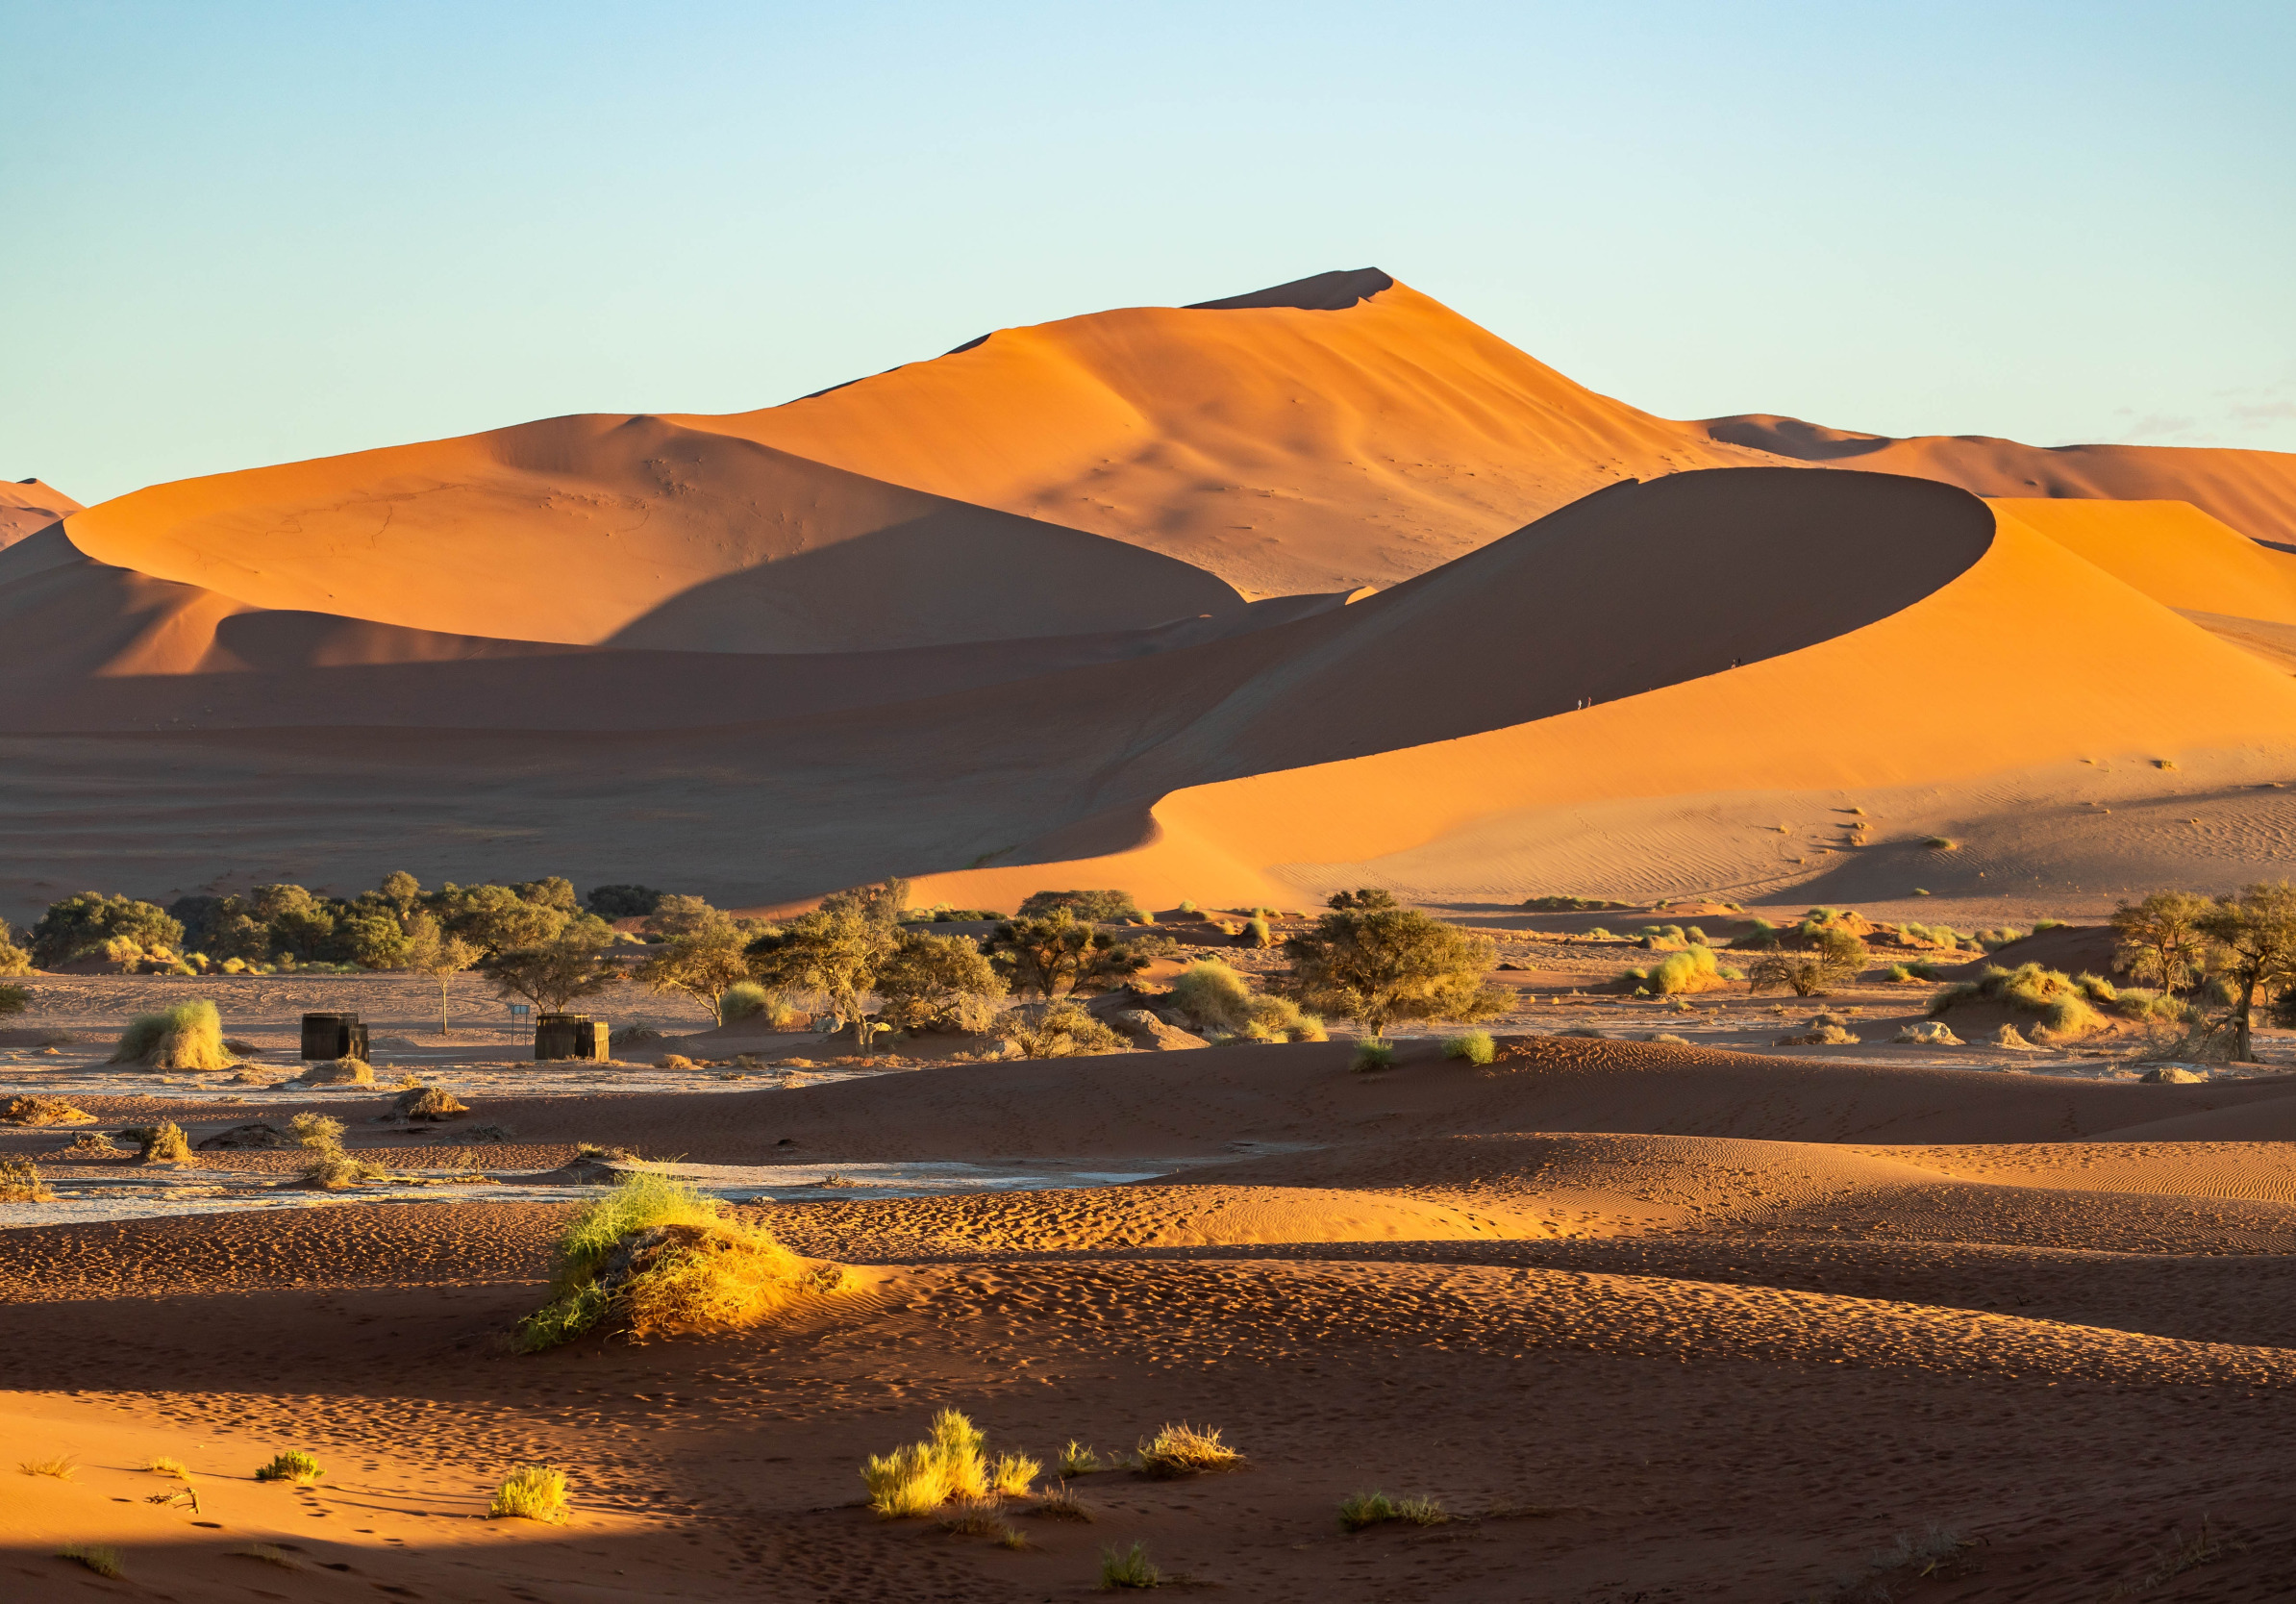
[1373, 1055]
[687, 1269]
[1256, 933]
[743, 1000]
[1372, 1509]
[1128, 1567]
[948, 1465]
[189, 1035]
[103, 1562]
[530, 1492]
[2061, 1001]
[291, 1465]
[1691, 969]
[1078, 1459]
[1474, 1045]
[1942, 843]
[1220, 1000]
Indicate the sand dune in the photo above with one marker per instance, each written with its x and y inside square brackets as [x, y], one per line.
[2253, 492]
[27, 507]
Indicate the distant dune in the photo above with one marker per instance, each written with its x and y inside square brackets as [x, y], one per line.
[28, 506]
[1321, 584]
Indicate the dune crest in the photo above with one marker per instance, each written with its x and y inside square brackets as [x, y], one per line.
[27, 507]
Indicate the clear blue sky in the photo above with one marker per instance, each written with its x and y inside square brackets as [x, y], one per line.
[241, 234]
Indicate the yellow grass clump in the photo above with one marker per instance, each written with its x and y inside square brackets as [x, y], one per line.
[2061, 1002]
[293, 1464]
[1476, 1047]
[948, 1466]
[41, 1111]
[59, 1465]
[1218, 998]
[189, 1035]
[103, 1561]
[161, 1143]
[530, 1492]
[166, 1466]
[21, 1182]
[656, 1256]
[1186, 1450]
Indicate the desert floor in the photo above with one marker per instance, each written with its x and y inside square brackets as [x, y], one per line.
[1653, 1320]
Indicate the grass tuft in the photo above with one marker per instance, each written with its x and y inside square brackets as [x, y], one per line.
[1474, 1045]
[166, 1466]
[947, 1467]
[1128, 1567]
[293, 1464]
[2061, 1002]
[1184, 1450]
[1372, 1509]
[61, 1466]
[1061, 1504]
[1078, 1460]
[1372, 1054]
[103, 1562]
[21, 1182]
[269, 1555]
[189, 1035]
[41, 1111]
[530, 1492]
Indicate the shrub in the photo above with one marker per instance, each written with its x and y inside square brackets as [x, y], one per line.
[2162, 941]
[291, 1465]
[1371, 1509]
[1064, 1029]
[428, 1102]
[1217, 998]
[1128, 1567]
[1057, 952]
[1187, 906]
[331, 1169]
[1570, 904]
[1383, 965]
[161, 1143]
[1932, 1033]
[1761, 938]
[1184, 1450]
[1086, 906]
[2060, 1001]
[743, 1000]
[1474, 1045]
[1061, 1504]
[20, 1182]
[91, 1144]
[1802, 973]
[1823, 1036]
[705, 961]
[78, 926]
[1256, 933]
[189, 1035]
[1942, 843]
[940, 983]
[655, 1257]
[530, 1492]
[1691, 969]
[1373, 1054]
[41, 1111]
[1364, 899]
[839, 952]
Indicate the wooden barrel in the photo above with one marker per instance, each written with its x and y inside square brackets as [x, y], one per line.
[333, 1036]
[564, 1035]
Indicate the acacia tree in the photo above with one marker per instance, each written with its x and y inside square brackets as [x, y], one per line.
[552, 974]
[1057, 952]
[2256, 929]
[940, 983]
[702, 963]
[1378, 966]
[2162, 941]
[431, 951]
[837, 951]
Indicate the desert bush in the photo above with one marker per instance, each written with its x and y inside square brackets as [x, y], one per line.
[655, 1257]
[1372, 1054]
[1759, 939]
[1087, 907]
[837, 952]
[1057, 952]
[335, 1169]
[744, 999]
[1274, 1018]
[41, 1111]
[15, 959]
[20, 1182]
[1475, 1046]
[1570, 904]
[1942, 843]
[1216, 997]
[554, 974]
[1063, 1029]
[2064, 1008]
[1372, 1509]
[1802, 973]
[940, 983]
[946, 1466]
[624, 902]
[1385, 965]
[1362, 900]
[79, 927]
[293, 1464]
[1821, 1035]
[530, 1492]
[704, 961]
[1186, 1450]
[189, 1035]
[1128, 1567]
[91, 1144]
[428, 1102]
[162, 1465]
[161, 1143]
[1256, 933]
[1932, 1033]
[1691, 969]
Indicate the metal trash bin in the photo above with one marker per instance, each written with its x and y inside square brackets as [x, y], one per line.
[327, 1036]
[563, 1035]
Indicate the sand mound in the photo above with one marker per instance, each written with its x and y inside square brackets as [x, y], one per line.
[27, 507]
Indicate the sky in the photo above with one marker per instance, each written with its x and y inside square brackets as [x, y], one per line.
[249, 234]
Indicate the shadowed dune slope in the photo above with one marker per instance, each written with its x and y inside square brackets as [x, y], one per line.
[2136, 679]
[1340, 431]
[635, 532]
[27, 507]
[2253, 492]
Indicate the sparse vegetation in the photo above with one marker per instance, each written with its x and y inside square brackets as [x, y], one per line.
[839, 952]
[291, 1464]
[1061, 1504]
[103, 1562]
[1078, 1459]
[1372, 1054]
[21, 1182]
[1218, 998]
[1571, 904]
[948, 1465]
[161, 1143]
[555, 974]
[1086, 906]
[428, 1102]
[1942, 843]
[189, 1035]
[1373, 1508]
[1474, 1045]
[60, 1465]
[2063, 1005]
[433, 951]
[655, 1257]
[269, 1555]
[1186, 1450]
[2255, 934]
[41, 1111]
[530, 1492]
[1691, 969]
[1363, 900]
[164, 1467]
[1063, 1029]
[1128, 1567]
[706, 957]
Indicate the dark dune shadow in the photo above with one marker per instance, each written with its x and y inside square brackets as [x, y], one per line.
[1332, 292]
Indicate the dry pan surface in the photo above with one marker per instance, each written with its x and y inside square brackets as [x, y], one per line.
[1730, 1358]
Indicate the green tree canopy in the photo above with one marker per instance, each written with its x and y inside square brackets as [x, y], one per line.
[1379, 966]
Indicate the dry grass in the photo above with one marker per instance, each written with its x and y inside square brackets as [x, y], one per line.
[1373, 1508]
[21, 1182]
[91, 1144]
[986, 1522]
[2180, 1555]
[2061, 1002]
[269, 1555]
[166, 1466]
[946, 1468]
[1078, 1459]
[530, 1492]
[189, 1035]
[293, 1464]
[1128, 1567]
[428, 1102]
[103, 1561]
[1373, 1055]
[1063, 1029]
[61, 1466]
[1186, 1450]
[1061, 1504]
[161, 1143]
[41, 1111]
